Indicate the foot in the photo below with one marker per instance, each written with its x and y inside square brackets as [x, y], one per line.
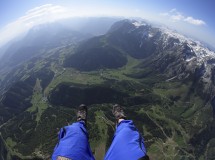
[118, 112]
[82, 113]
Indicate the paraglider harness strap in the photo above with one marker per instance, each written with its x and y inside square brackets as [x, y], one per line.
[146, 157]
[61, 134]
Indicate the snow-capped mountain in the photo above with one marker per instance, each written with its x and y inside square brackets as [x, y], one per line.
[194, 54]
[200, 52]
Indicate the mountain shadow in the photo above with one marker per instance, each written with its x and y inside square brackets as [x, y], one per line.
[94, 55]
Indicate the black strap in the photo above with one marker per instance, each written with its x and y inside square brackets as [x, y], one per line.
[146, 157]
[64, 131]
[140, 141]
[61, 135]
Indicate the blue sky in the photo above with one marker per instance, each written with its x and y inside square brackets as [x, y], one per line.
[193, 17]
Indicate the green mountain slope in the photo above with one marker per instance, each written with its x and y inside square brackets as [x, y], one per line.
[174, 113]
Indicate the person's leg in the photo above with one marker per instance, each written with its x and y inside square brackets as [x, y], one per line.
[73, 140]
[127, 143]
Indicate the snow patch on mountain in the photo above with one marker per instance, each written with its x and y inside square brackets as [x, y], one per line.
[137, 24]
[202, 53]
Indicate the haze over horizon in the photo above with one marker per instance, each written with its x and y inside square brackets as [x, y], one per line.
[193, 18]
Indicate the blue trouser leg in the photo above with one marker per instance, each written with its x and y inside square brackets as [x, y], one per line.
[73, 143]
[127, 143]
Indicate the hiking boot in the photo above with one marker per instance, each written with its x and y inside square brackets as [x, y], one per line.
[118, 112]
[82, 113]
[63, 158]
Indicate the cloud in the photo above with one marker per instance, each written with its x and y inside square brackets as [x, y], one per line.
[164, 14]
[35, 16]
[175, 16]
[173, 10]
[45, 13]
[191, 20]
